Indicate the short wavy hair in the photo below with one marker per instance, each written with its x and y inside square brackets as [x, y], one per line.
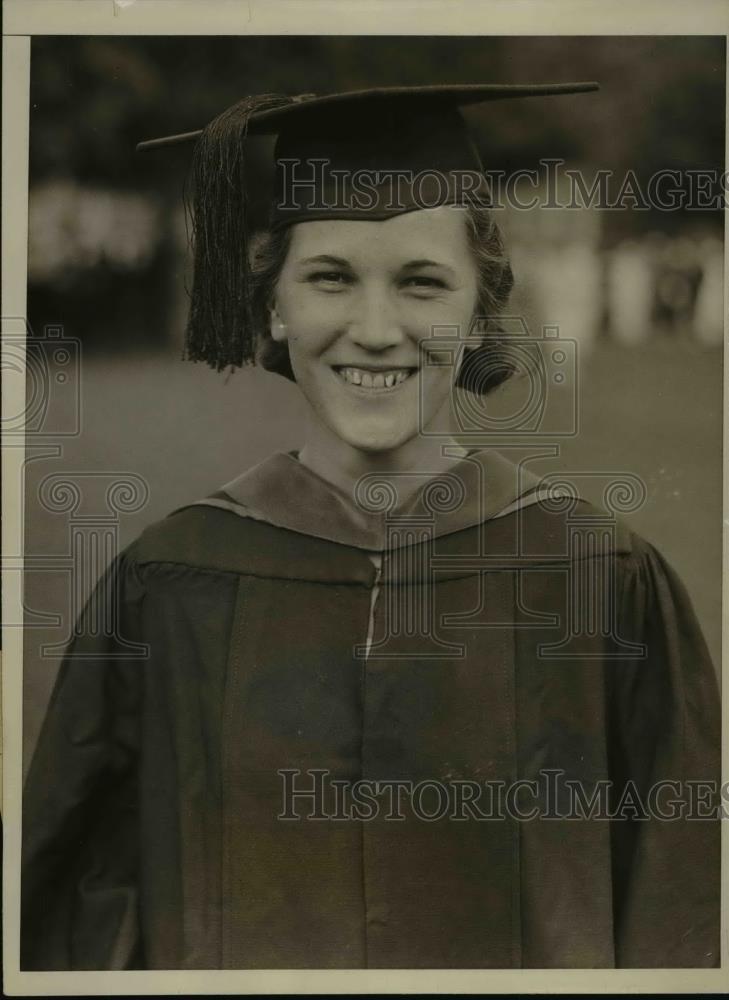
[484, 367]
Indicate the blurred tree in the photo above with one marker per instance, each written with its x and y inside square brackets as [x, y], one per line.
[661, 106]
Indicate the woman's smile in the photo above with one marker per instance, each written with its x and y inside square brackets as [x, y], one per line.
[370, 381]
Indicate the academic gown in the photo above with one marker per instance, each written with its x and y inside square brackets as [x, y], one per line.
[500, 636]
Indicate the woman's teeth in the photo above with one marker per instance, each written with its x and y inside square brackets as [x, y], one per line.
[374, 380]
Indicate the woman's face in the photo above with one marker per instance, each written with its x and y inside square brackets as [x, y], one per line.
[354, 301]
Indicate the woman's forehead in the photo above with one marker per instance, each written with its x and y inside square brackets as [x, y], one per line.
[442, 228]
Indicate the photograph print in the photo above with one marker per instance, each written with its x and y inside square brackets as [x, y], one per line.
[373, 503]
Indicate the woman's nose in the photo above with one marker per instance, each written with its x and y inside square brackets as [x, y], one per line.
[375, 323]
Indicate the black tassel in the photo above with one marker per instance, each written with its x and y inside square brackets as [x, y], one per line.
[221, 327]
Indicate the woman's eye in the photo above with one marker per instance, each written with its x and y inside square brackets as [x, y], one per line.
[330, 278]
[425, 282]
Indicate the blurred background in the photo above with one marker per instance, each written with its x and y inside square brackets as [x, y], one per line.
[638, 290]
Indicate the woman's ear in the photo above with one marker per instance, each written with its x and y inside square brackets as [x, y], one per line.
[278, 327]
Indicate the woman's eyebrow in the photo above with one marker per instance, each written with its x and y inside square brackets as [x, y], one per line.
[424, 262]
[333, 261]
[326, 259]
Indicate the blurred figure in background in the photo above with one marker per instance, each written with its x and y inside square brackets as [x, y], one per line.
[709, 312]
[629, 293]
[678, 275]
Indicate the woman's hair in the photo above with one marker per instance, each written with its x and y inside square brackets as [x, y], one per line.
[484, 367]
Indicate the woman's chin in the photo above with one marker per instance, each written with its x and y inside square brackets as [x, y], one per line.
[376, 440]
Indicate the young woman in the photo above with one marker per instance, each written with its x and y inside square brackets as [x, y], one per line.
[383, 701]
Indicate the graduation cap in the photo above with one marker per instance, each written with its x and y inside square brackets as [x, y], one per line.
[366, 154]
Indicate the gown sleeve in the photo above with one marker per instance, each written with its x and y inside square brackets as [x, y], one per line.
[80, 802]
[665, 716]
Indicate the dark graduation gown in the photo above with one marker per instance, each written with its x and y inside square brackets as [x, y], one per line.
[499, 639]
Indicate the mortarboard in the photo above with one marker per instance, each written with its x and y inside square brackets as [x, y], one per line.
[366, 154]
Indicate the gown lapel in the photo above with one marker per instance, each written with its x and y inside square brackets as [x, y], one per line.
[287, 494]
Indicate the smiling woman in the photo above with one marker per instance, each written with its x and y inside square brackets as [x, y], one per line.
[320, 721]
[355, 334]
[358, 299]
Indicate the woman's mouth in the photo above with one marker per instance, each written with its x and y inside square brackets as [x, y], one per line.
[381, 380]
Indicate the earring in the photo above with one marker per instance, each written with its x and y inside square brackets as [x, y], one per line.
[278, 327]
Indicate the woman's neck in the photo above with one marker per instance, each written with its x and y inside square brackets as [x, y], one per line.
[343, 466]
